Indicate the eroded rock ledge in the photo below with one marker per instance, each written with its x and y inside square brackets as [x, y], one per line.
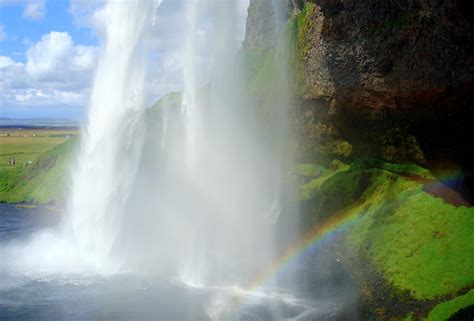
[390, 78]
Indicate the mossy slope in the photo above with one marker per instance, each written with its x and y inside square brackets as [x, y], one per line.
[419, 244]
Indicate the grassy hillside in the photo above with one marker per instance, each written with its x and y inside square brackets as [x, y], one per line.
[409, 243]
[45, 178]
[26, 145]
[43, 159]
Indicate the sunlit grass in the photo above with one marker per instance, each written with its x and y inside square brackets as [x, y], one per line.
[42, 165]
[27, 144]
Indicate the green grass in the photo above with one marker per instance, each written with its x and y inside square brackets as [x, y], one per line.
[446, 309]
[27, 144]
[43, 181]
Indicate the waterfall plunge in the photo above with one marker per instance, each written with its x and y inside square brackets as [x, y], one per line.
[195, 196]
[190, 190]
[113, 139]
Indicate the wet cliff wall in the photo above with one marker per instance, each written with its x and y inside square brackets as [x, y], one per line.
[391, 79]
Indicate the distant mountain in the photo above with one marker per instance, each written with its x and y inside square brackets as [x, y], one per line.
[38, 122]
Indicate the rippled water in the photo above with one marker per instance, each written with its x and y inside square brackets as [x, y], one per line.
[133, 297]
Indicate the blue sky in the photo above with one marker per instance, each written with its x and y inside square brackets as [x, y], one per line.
[21, 31]
[49, 50]
[30, 30]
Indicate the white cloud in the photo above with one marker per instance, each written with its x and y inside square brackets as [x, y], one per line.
[34, 10]
[3, 34]
[7, 61]
[23, 97]
[55, 55]
[57, 73]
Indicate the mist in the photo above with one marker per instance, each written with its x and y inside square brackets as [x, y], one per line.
[192, 190]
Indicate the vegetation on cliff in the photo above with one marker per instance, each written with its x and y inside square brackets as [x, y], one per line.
[366, 135]
[366, 143]
[417, 243]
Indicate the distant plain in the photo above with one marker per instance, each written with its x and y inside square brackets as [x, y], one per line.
[26, 144]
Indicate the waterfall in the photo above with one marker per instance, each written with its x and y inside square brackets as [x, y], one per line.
[113, 139]
[192, 193]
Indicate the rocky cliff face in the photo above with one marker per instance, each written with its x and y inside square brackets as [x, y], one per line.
[391, 81]
[382, 78]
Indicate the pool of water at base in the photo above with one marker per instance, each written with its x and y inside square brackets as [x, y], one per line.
[128, 296]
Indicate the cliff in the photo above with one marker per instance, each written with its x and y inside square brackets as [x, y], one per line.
[380, 111]
[390, 79]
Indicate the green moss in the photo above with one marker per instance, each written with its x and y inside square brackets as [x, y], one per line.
[317, 175]
[409, 317]
[446, 309]
[418, 242]
[337, 164]
[409, 169]
[308, 170]
[304, 23]
[342, 189]
[309, 190]
[340, 148]
[301, 27]
[260, 70]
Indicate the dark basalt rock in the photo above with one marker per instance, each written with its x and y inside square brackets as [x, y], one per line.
[402, 68]
[390, 80]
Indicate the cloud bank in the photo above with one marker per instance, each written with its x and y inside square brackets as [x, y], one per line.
[57, 72]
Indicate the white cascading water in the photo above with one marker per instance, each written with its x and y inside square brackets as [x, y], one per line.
[189, 190]
[230, 173]
[192, 265]
[112, 142]
[189, 107]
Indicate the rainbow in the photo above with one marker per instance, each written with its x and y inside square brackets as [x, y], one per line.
[445, 184]
[304, 246]
[309, 243]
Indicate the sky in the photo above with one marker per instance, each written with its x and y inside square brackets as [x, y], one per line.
[49, 50]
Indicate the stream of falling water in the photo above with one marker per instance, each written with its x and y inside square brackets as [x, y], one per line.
[189, 192]
[113, 140]
[194, 196]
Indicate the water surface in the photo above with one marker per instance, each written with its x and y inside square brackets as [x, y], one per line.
[125, 296]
